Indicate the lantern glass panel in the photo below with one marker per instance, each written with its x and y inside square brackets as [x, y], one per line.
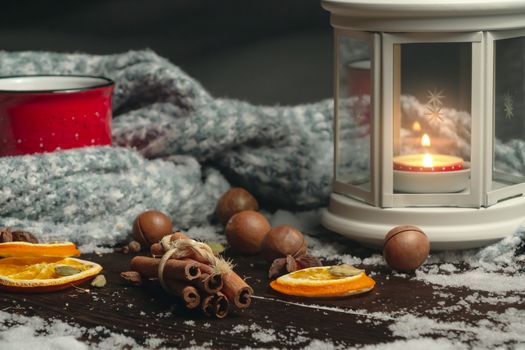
[432, 117]
[509, 112]
[354, 113]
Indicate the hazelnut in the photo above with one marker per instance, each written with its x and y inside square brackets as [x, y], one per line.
[134, 247]
[234, 201]
[283, 240]
[150, 226]
[245, 231]
[406, 248]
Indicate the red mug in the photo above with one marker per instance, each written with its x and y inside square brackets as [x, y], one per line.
[45, 113]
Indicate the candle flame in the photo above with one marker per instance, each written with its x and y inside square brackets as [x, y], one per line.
[416, 126]
[427, 160]
[425, 140]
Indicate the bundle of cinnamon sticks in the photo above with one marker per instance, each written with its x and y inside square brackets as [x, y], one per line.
[195, 281]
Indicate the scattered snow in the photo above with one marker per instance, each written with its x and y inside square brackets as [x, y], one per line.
[284, 337]
[265, 336]
[418, 344]
[93, 248]
[494, 276]
[448, 267]
[496, 330]
[477, 299]
[477, 280]
[22, 332]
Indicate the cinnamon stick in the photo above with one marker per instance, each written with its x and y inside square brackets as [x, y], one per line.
[205, 268]
[208, 283]
[216, 305]
[156, 248]
[237, 290]
[157, 251]
[174, 269]
[189, 294]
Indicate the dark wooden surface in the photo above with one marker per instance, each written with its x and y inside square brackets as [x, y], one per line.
[140, 312]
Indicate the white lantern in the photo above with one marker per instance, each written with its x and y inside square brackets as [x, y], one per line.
[429, 119]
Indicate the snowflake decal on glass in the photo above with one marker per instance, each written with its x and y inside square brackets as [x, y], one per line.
[434, 106]
[508, 105]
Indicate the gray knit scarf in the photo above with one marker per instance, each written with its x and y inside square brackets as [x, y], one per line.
[175, 148]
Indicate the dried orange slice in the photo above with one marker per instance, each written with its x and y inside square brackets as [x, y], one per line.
[319, 282]
[59, 249]
[37, 274]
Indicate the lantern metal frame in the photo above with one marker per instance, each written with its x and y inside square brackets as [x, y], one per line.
[471, 198]
[374, 40]
[494, 196]
[478, 216]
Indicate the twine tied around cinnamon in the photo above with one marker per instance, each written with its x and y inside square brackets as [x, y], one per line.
[186, 247]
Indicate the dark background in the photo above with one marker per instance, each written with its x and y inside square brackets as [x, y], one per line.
[266, 52]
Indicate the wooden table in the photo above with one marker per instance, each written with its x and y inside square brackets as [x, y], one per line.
[272, 320]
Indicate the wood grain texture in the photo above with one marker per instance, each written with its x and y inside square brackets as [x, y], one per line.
[140, 312]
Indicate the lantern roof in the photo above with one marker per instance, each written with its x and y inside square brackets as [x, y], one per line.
[433, 16]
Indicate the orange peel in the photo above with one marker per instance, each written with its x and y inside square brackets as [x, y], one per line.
[58, 249]
[38, 275]
[32, 268]
[318, 282]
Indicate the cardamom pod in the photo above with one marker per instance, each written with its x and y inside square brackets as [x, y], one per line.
[134, 247]
[345, 270]
[99, 281]
[66, 270]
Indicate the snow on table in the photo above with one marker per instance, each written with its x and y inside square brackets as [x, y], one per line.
[457, 300]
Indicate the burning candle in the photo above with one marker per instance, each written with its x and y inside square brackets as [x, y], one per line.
[426, 172]
[427, 162]
[425, 140]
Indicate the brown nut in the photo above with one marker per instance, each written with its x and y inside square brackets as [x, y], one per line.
[406, 248]
[24, 236]
[246, 230]
[233, 201]
[131, 278]
[150, 226]
[283, 240]
[6, 235]
[134, 247]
